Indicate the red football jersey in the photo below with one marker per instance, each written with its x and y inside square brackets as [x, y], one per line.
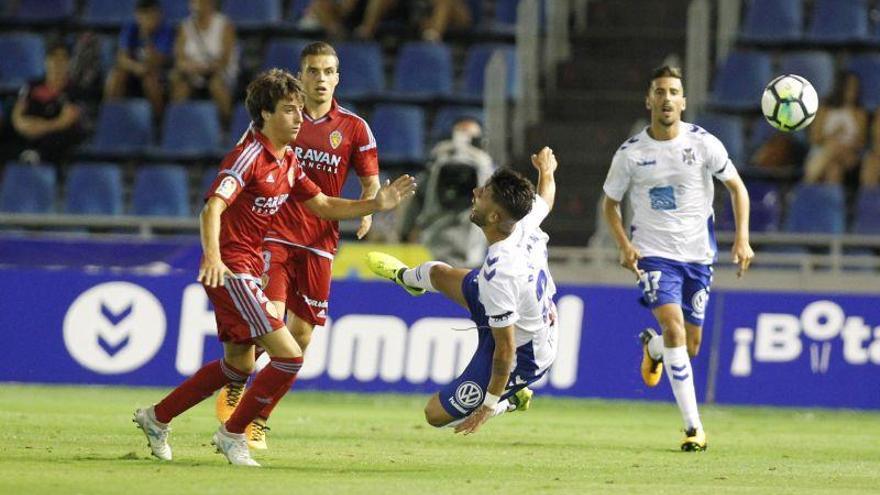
[325, 148]
[254, 184]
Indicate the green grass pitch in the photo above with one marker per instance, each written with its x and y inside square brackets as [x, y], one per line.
[80, 440]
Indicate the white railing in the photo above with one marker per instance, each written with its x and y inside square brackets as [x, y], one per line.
[728, 26]
[495, 107]
[528, 49]
[697, 70]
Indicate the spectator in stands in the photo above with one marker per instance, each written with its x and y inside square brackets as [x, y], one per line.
[439, 214]
[46, 120]
[870, 173]
[360, 17]
[145, 47]
[204, 57]
[837, 137]
[444, 14]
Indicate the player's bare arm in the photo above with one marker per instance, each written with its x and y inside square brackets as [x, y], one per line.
[629, 255]
[212, 269]
[742, 252]
[544, 162]
[369, 187]
[389, 197]
[502, 363]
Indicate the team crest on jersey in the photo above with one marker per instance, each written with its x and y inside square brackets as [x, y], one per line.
[688, 156]
[335, 139]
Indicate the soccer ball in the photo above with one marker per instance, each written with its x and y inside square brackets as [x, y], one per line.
[789, 102]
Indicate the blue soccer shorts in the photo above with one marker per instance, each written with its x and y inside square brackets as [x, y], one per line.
[666, 281]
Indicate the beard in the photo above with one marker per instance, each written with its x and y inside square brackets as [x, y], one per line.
[478, 219]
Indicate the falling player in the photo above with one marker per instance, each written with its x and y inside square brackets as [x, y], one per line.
[667, 169]
[300, 246]
[255, 179]
[510, 298]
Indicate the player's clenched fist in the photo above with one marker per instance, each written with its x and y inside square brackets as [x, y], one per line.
[544, 161]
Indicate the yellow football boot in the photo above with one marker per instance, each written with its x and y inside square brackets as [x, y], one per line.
[227, 399]
[387, 266]
[694, 440]
[256, 435]
[652, 369]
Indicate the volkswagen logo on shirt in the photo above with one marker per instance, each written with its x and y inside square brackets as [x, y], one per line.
[469, 394]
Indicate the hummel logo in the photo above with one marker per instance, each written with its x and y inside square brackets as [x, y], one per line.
[646, 163]
[271, 178]
[491, 261]
[488, 275]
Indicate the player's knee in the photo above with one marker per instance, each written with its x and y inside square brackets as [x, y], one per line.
[434, 419]
[693, 347]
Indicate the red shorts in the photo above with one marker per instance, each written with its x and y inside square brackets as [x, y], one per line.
[242, 311]
[300, 278]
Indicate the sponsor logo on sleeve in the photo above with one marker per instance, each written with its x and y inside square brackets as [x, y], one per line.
[226, 188]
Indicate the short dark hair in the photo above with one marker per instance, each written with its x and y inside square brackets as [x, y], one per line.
[267, 89]
[147, 4]
[666, 71]
[513, 192]
[318, 48]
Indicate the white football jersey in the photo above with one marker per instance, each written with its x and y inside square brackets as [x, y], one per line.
[515, 283]
[671, 191]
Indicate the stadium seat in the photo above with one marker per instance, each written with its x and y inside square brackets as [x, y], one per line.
[867, 215]
[442, 126]
[21, 60]
[773, 21]
[108, 13]
[477, 59]
[423, 71]
[174, 11]
[765, 212]
[816, 66]
[161, 190]
[839, 21]
[44, 11]
[400, 132]
[284, 54]
[28, 188]
[94, 189]
[817, 208]
[740, 81]
[208, 177]
[362, 73]
[253, 14]
[868, 69]
[297, 9]
[190, 129]
[123, 127]
[505, 15]
[729, 130]
[241, 119]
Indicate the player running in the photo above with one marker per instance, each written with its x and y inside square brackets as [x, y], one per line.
[510, 298]
[255, 179]
[667, 170]
[300, 246]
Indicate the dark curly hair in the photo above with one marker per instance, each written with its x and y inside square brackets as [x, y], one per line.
[267, 89]
[513, 192]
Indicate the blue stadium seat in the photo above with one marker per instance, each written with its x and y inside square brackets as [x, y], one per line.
[123, 127]
[839, 21]
[253, 14]
[241, 119]
[28, 188]
[442, 126]
[868, 69]
[741, 80]
[208, 177]
[817, 67]
[284, 54]
[94, 189]
[506, 15]
[45, 11]
[867, 215]
[21, 60]
[161, 190]
[361, 68]
[174, 11]
[108, 13]
[400, 132]
[773, 21]
[729, 130]
[477, 59]
[297, 9]
[423, 70]
[190, 129]
[817, 208]
[765, 213]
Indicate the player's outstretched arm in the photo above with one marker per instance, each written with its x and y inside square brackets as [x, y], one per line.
[742, 252]
[545, 162]
[369, 187]
[502, 363]
[389, 197]
[629, 255]
[212, 270]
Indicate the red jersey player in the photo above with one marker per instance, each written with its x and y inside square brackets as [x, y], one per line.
[255, 179]
[300, 246]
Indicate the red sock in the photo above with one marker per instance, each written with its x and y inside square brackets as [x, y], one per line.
[266, 411]
[197, 388]
[273, 381]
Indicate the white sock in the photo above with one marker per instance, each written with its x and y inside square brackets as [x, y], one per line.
[655, 347]
[681, 378]
[420, 276]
